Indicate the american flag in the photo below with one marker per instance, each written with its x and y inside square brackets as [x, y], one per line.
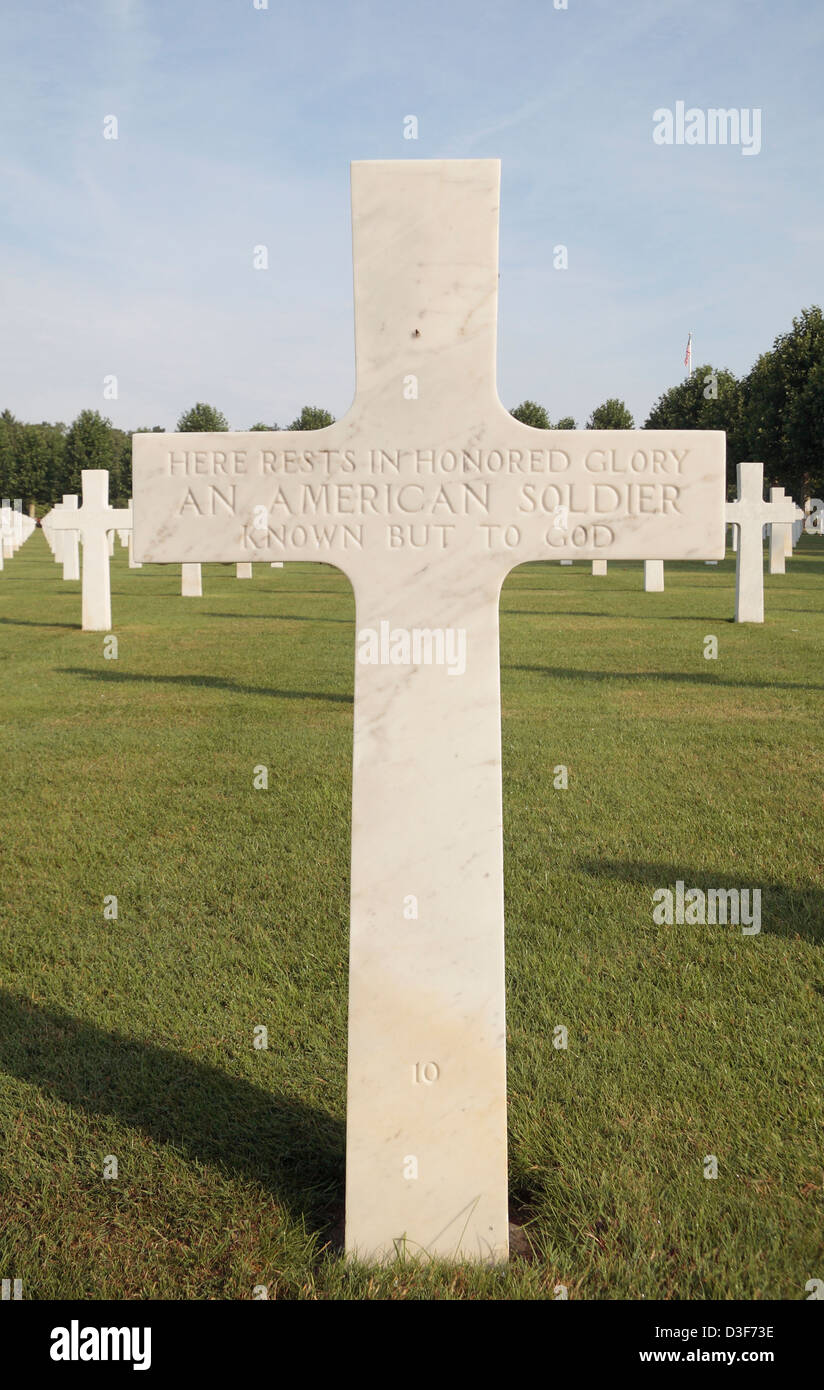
[688, 353]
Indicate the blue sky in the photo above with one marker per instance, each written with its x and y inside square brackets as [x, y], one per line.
[236, 126]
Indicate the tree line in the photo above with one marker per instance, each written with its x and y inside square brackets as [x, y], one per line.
[774, 414]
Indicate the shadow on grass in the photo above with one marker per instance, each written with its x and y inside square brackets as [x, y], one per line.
[785, 911]
[31, 622]
[707, 678]
[289, 1148]
[281, 618]
[625, 617]
[205, 683]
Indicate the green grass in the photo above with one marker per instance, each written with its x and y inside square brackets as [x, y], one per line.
[134, 1037]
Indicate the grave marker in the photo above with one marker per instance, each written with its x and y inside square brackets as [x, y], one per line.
[10, 527]
[70, 541]
[133, 563]
[191, 581]
[780, 536]
[653, 576]
[426, 500]
[15, 527]
[751, 513]
[93, 522]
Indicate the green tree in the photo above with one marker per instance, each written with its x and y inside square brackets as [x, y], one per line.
[612, 415]
[312, 417]
[33, 465]
[120, 482]
[566, 422]
[260, 426]
[39, 463]
[55, 449]
[780, 405]
[90, 443]
[530, 413]
[804, 433]
[202, 419]
[710, 399]
[9, 450]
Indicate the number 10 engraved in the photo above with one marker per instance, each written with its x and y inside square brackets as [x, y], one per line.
[425, 1073]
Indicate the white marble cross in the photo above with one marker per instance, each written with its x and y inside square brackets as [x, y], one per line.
[56, 543]
[426, 494]
[6, 532]
[93, 522]
[15, 527]
[751, 513]
[133, 564]
[69, 540]
[780, 536]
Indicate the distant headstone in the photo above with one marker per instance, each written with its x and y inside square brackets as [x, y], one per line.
[10, 527]
[599, 567]
[751, 513]
[426, 499]
[243, 571]
[94, 522]
[70, 540]
[191, 581]
[133, 563]
[15, 526]
[790, 540]
[653, 576]
[780, 535]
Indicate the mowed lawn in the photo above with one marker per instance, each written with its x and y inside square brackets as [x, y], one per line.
[134, 1038]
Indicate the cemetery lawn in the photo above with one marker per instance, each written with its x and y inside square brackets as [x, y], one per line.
[133, 1038]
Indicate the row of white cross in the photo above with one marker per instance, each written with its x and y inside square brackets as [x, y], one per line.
[95, 524]
[15, 529]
